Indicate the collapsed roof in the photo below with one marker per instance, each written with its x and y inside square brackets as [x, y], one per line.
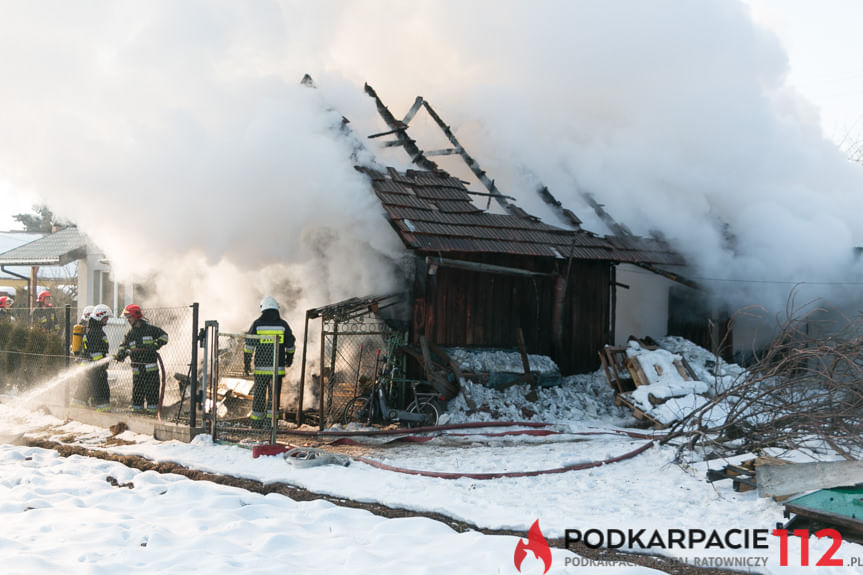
[433, 213]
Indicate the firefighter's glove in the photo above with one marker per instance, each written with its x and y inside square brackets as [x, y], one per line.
[247, 368]
[120, 355]
[289, 360]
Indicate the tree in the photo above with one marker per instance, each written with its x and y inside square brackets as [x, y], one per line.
[43, 223]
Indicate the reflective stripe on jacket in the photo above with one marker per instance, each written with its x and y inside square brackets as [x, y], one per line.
[270, 324]
[94, 342]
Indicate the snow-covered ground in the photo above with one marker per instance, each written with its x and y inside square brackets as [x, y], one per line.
[85, 515]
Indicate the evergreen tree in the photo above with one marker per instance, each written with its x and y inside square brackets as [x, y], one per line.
[43, 222]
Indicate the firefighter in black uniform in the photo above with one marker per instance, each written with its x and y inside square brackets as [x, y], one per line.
[142, 344]
[5, 303]
[94, 347]
[268, 324]
[44, 316]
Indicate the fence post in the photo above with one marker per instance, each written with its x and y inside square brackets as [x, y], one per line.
[299, 418]
[66, 388]
[193, 373]
[68, 333]
[274, 420]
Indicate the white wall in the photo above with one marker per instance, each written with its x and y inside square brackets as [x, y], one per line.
[642, 310]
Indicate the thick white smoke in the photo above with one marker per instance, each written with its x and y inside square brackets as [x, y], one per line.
[177, 135]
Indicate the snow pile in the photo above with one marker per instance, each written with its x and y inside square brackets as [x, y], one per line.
[499, 361]
[579, 398]
[589, 397]
[668, 396]
[707, 366]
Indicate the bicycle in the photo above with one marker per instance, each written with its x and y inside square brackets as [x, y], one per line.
[374, 407]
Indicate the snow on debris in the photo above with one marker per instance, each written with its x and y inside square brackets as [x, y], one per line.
[587, 398]
[489, 361]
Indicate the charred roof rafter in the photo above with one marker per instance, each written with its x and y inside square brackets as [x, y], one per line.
[398, 128]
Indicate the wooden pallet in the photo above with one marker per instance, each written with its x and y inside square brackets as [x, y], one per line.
[626, 373]
[743, 475]
[616, 370]
[625, 399]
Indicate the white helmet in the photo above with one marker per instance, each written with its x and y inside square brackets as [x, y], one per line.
[85, 315]
[269, 302]
[100, 312]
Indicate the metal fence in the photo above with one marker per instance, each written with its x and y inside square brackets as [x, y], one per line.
[352, 353]
[229, 391]
[34, 353]
[29, 355]
[341, 362]
[173, 364]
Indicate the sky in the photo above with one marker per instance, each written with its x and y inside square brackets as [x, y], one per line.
[86, 515]
[178, 136]
[819, 40]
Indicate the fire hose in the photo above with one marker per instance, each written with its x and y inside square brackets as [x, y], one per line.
[466, 425]
[454, 475]
[324, 457]
[161, 386]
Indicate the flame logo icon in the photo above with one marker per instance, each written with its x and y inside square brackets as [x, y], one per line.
[535, 542]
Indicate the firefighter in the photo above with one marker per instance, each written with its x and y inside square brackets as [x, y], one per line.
[142, 344]
[5, 303]
[85, 315]
[269, 323]
[43, 315]
[78, 331]
[94, 347]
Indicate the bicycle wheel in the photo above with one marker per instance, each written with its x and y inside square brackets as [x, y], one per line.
[429, 411]
[357, 410]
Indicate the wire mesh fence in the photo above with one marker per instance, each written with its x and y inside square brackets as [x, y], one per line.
[351, 352]
[33, 352]
[28, 355]
[131, 380]
[352, 355]
[344, 361]
[238, 394]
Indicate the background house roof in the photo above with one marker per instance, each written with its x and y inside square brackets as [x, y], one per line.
[14, 239]
[433, 213]
[57, 249]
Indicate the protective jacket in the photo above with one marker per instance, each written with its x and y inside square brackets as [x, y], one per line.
[141, 343]
[94, 342]
[46, 319]
[269, 323]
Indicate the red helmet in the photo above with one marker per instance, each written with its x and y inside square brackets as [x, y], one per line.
[43, 295]
[133, 311]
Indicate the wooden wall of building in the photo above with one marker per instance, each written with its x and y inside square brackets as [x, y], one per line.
[458, 307]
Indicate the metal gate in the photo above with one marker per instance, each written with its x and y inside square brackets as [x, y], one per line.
[230, 390]
[352, 346]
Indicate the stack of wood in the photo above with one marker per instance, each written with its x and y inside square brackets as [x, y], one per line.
[626, 373]
[744, 475]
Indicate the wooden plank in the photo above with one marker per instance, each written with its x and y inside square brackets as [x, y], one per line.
[623, 399]
[777, 480]
[612, 380]
[849, 523]
[682, 371]
[638, 376]
[523, 378]
[522, 349]
[445, 356]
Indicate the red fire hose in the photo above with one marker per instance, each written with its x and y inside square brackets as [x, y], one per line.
[451, 475]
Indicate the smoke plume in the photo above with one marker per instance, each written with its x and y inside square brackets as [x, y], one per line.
[177, 135]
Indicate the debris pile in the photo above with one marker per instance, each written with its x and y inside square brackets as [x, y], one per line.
[659, 386]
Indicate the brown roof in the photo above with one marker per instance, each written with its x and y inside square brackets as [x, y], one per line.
[433, 212]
